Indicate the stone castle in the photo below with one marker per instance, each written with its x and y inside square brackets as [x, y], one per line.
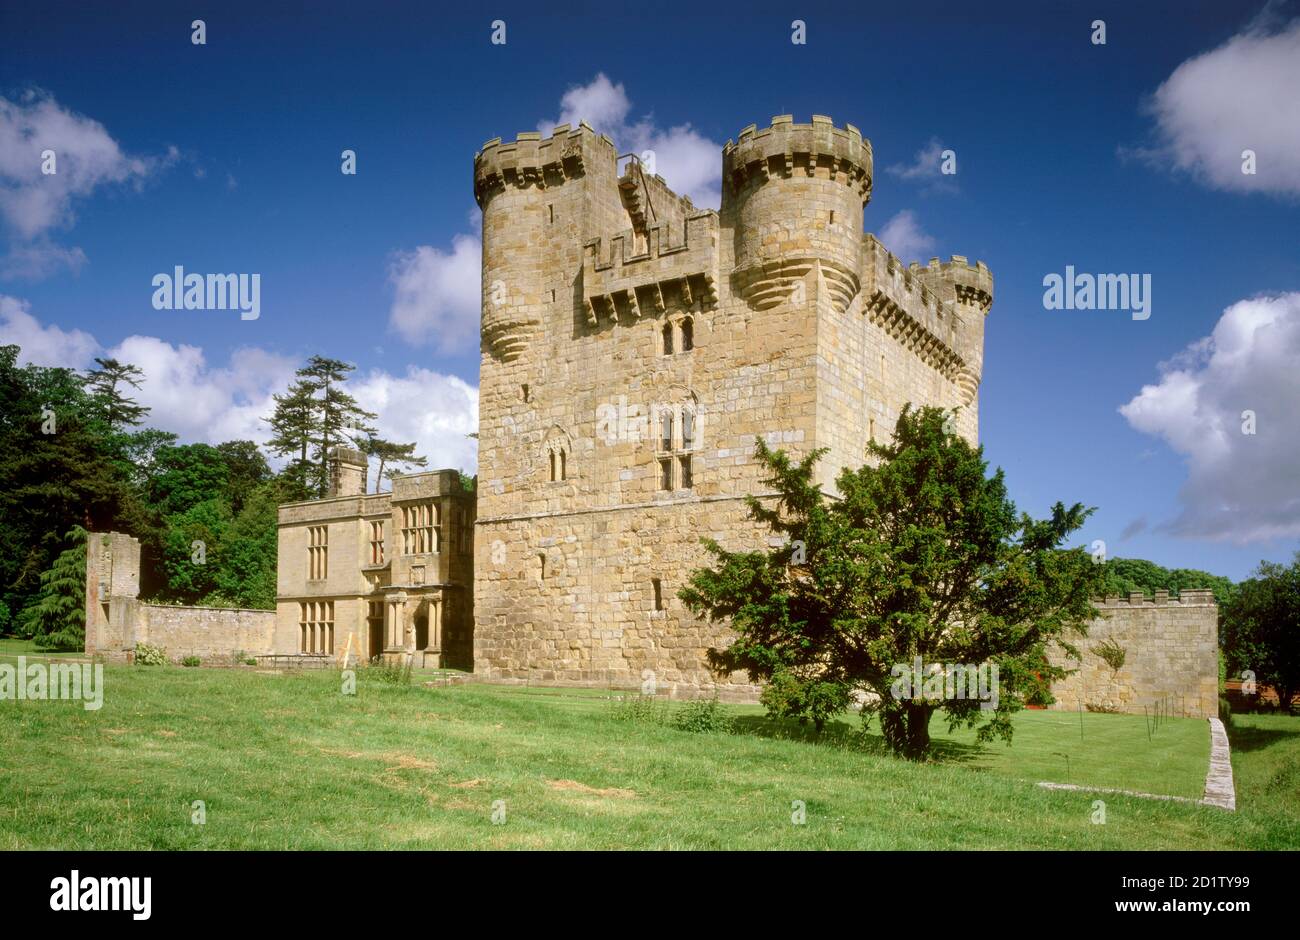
[634, 346]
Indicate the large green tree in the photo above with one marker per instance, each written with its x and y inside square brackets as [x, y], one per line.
[56, 619]
[922, 555]
[107, 386]
[59, 470]
[1261, 628]
[1125, 575]
[316, 413]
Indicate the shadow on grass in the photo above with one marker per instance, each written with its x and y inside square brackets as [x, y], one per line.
[846, 736]
[1242, 738]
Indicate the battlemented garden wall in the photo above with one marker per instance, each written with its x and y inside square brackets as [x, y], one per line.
[1162, 650]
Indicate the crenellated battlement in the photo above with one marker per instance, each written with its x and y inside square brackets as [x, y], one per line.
[531, 160]
[680, 270]
[897, 299]
[959, 281]
[783, 149]
[1191, 597]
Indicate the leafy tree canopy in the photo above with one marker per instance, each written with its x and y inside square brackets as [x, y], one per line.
[921, 556]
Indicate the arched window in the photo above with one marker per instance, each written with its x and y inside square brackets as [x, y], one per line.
[552, 455]
[564, 469]
[668, 339]
[688, 334]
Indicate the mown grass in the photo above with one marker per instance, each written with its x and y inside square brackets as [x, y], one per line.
[288, 762]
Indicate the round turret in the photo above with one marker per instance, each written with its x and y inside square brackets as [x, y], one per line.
[794, 195]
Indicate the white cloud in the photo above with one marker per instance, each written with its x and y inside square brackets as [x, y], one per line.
[904, 237]
[436, 294]
[201, 402]
[43, 345]
[1242, 95]
[33, 203]
[39, 259]
[436, 411]
[687, 160]
[1240, 487]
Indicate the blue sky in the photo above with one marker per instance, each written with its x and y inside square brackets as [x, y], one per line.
[1122, 157]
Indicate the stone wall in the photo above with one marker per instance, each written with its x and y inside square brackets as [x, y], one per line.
[1170, 655]
[214, 634]
[116, 620]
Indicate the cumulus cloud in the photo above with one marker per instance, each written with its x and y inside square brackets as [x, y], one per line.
[437, 411]
[1240, 487]
[436, 294]
[1239, 96]
[34, 203]
[903, 235]
[200, 401]
[42, 345]
[689, 161]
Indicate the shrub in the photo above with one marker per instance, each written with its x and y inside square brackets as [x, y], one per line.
[250, 661]
[641, 708]
[1101, 708]
[146, 655]
[1112, 653]
[390, 672]
[706, 716]
[190, 661]
[790, 696]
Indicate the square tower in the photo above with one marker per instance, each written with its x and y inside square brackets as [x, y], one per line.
[633, 349]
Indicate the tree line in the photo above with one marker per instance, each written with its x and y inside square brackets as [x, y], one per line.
[77, 455]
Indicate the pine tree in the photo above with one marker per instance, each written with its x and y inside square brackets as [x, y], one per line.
[389, 452]
[106, 387]
[56, 618]
[339, 418]
[315, 414]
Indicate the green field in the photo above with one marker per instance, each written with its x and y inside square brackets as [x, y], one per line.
[286, 761]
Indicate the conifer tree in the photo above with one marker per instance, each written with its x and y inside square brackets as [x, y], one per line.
[56, 618]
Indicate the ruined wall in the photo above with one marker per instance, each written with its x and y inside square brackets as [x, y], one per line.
[1170, 653]
[116, 620]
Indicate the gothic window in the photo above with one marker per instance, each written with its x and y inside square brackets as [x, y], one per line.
[558, 458]
[668, 339]
[675, 445]
[688, 334]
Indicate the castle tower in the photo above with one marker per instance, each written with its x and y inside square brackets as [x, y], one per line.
[793, 195]
[969, 288]
[634, 347]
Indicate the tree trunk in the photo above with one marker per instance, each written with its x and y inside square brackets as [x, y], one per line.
[918, 730]
[380, 477]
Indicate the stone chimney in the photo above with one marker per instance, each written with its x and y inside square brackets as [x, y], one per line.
[348, 470]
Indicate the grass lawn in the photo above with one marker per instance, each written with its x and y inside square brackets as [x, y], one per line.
[286, 761]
